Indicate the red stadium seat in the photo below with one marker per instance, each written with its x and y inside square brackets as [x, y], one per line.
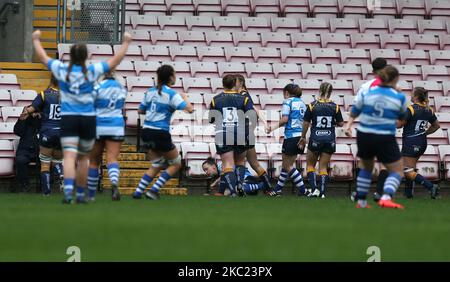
[216, 38]
[196, 99]
[9, 81]
[435, 73]
[5, 98]
[286, 70]
[376, 26]
[342, 163]
[139, 84]
[208, 7]
[133, 100]
[442, 104]
[239, 8]
[164, 37]
[446, 88]
[216, 85]
[6, 158]
[386, 9]
[404, 85]
[444, 42]
[353, 8]
[210, 54]
[181, 68]
[271, 102]
[239, 54]
[202, 133]
[204, 69]
[341, 88]
[99, 52]
[134, 52]
[22, 98]
[155, 53]
[364, 41]
[414, 57]
[64, 51]
[411, 8]
[305, 40]
[7, 130]
[355, 56]
[294, 8]
[346, 26]
[276, 85]
[444, 153]
[146, 68]
[438, 9]
[265, 8]
[180, 133]
[409, 72]
[231, 67]
[289, 25]
[314, 25]
[315, 71]
[295, 55]
[428, 164]
[196, 85]
[140, 36]
[438, 138]
[247, 39]
[256, 24]
[402, 26]
[230, 24]
[266, 55]
[310, 87]
[194, 38]
[434, 88]
[366, 72]
[440, 57]
[423, 41]
[335, 40]
[256, 85]
[275, 39]
[194, 154]
[324, 8]
[183, 53]
[347, 72]
[180, 7]
[11, 114]
[394, 41]
[200, 23]
[389, 54]
[432, 27]
[172, 23]
[153, 6]
[145, 22]
[259, 70]
[325, 56]
[274, 152]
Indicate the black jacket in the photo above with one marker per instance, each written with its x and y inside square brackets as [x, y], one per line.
[28, 131]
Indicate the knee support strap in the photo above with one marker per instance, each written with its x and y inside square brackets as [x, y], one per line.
[85, 146]
[177, 160]
[410, 173]
[160, 162]
[45, 162]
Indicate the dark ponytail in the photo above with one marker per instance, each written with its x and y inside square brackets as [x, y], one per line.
[294, 90]
[164, 73]
[241, 79]
[78, 56]
[325, 90]
[421, 94]
[388, 74]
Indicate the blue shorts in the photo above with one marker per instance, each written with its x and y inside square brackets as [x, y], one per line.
[414, 147]
[50, 138]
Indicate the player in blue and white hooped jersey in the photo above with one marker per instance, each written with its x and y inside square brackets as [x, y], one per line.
[109, 103]
[378, 110]
[76, 83]
[292, 119]
[159, 104]
[47, 104]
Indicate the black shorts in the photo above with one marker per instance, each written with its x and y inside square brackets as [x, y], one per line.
[384, 147]
[238, 149]
[414, 147]
[157, 140]
[112, 138]
[318, 147]
[49, 138]
[290, 147]
[83, 127]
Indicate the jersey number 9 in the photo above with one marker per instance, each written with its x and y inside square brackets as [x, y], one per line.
[324, 122]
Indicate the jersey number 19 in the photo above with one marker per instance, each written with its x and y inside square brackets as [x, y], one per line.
[55, 112]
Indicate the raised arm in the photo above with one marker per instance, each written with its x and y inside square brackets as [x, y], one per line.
[118, 57]
[40, 51]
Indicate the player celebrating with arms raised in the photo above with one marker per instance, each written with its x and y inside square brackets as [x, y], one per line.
[379, 109]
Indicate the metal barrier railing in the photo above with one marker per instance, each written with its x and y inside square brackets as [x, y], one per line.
[90, 21]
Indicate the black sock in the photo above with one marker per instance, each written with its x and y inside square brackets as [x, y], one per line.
[381, 179]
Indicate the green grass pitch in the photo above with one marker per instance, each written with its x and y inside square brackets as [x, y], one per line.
[199, 228]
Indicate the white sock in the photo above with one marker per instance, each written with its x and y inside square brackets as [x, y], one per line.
[386, 197]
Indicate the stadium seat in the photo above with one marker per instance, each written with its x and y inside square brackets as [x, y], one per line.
[133, 100]
[423, 41]
[246, 39]
[256, 85]
[428, 165]
[444, 42]
[389, 54]
[442, 104]
[259, 70]
[324, 8]
[342, 163]
[139, 84]
[444, 153]
[194, 153]
[446, 88]
[275, 39]
[438, 57]
[180, 7]
[315, 71]
[335, 40]
[325, 55]
[7, 130]
[413, 9]
[147, 68]
[183, 53]
[99, 52]
[216, 84]
[22, 98]
[435, 73]
[438, 9]
[195, 38]
[5, 98]
[204, 69]
[180, 133]
[394, 41]
[64, 51]
[231, 67]
[364, 41]
[376, 26]
[314, 25]
[434, 88]
[444, 119]
[265, 8]
[8, 81]
[438, 138]
[145, 22]
[256, 24]
[294, 8]
[414, 57]
[155, 53]
[6, 158]
[286, 70]
[216, 38]
[288, 25]
[402, 26]
[345, 72]
[203, 133]
[305, 40]
[199, 23]
[274, 153]
[230, 24]
[355, 56]
[240, 8]
[156, 7]
[264, 138]
[295, 55]
[181, 117]
[263, 157]
[341, 88]
[310, 87]
[271, 102]
[266, 55]
[11, 114]
[207, 7]
[344, 26]
[366, 72]
[239, 54]
[134, 52]
[386, 9]
[210, 54]
[353, 8]
[276, 85]
[125, 68]
[196, 99]
[172, 23]
[196, 85]
[434, 27]
[404, 85]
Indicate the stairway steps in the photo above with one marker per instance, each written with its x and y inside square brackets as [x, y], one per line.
[129, 157]
[163, 191]
[134, 182]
